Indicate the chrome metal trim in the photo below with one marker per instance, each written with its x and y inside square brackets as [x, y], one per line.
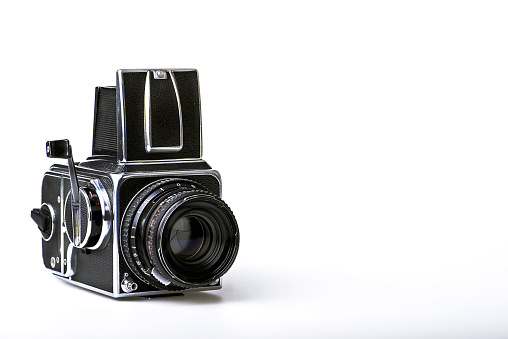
[128, 285]
[136, 162]
[53, 174]
[138, 294]
[157, 275]
[200, 119]
[120, 114]
[63, 230]
[160, 161]
[107, 217]
[148, 118]
[162, 292]
[68, 264]
[160, 74]
[137, 70]
[89, 221]
[52, 212]
[115, 178]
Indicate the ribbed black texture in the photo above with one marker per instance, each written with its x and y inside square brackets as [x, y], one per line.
[105, 133]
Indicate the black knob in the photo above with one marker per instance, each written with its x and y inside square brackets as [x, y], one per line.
[42, 217]
[58, 149]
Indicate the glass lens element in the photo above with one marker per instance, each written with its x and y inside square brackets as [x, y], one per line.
[186, 237]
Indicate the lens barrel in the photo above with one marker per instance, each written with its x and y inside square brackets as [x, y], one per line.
[176, 233]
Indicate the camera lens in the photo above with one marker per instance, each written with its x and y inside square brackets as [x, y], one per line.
[175, 233]
[186, 237]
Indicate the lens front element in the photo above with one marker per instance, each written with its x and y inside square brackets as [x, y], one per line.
[186, 237]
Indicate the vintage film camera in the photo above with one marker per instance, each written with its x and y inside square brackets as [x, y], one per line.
[142, 216]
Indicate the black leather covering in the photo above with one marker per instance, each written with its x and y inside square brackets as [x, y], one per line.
[165, 118]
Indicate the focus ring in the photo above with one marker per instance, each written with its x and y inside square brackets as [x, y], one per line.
[157, 219]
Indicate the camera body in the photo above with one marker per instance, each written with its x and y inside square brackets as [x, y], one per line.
[142, 216]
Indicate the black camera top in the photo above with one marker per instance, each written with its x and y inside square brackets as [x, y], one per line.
[151, 114]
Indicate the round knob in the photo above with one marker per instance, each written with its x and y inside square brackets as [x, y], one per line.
[94, 214]
[128, 285]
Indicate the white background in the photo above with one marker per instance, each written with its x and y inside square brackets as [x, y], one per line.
[362, 145]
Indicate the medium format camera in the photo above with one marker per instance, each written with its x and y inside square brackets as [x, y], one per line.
[143, 215]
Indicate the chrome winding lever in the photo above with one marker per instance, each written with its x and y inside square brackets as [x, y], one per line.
[62, 149]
